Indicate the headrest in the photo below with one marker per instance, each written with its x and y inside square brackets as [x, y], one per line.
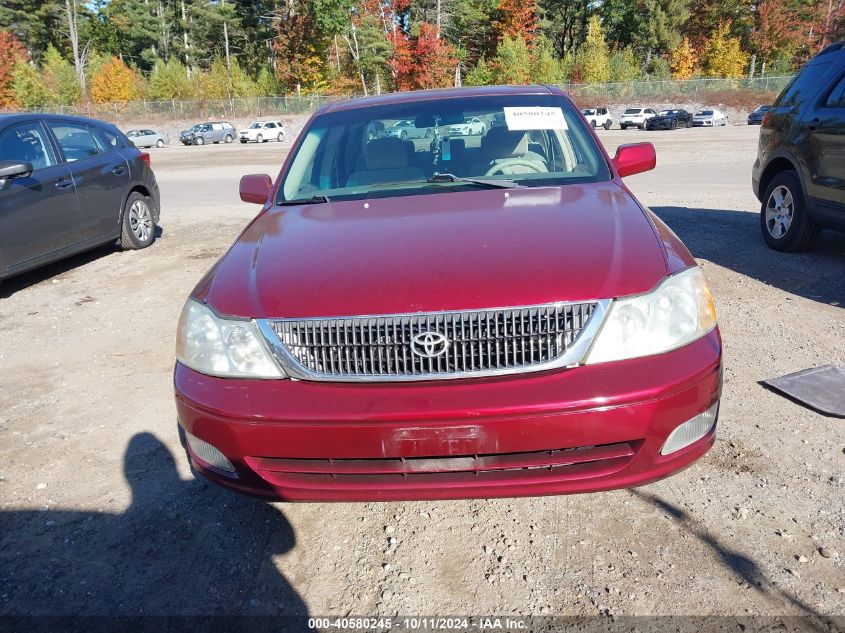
[500, 142]
[385, 153]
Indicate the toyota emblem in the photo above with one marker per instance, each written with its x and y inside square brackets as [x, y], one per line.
[429, 344]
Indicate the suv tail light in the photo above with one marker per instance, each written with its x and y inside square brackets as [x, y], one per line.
[766, 118]
[144, 156]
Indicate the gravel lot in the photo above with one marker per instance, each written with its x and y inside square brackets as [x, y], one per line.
[99, 513]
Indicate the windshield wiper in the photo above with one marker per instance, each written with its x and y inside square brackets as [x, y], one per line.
[318, 199]
[494, 183]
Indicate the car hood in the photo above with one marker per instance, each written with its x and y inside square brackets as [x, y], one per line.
[445, 251]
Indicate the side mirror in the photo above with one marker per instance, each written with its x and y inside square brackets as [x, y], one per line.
[13, 169]
[634, 159]
[256, 188]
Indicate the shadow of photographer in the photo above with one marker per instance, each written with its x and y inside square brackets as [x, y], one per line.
[181, 548]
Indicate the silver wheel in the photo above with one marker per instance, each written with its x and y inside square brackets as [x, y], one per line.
[140, 220]
[159, 143]
[280, 137]
[780, 210]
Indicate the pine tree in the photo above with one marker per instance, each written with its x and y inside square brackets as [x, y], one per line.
[684, 60]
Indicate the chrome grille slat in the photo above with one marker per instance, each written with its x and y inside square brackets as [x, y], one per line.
[480, 342]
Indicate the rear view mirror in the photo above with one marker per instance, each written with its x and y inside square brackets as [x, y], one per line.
[634, 158]
[256, 188]
[13, 169]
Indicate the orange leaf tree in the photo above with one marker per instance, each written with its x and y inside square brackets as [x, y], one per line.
[425, 61]
[517, 19]
[11, 52]
[115, 83]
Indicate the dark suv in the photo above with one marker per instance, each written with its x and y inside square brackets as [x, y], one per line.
[799, 174]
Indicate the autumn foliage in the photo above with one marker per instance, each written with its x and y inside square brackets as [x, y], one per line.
[425, 61]
[115, 83]
[11, 53]
[517, 19]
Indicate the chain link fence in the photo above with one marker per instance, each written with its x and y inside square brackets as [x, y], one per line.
[691, 87]
[303, 104]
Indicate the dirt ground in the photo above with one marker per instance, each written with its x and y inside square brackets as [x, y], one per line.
[100, 515]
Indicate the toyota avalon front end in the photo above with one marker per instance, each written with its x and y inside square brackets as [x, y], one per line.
[485, 319]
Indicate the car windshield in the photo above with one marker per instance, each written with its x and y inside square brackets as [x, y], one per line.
[705, 113]
[589, 111]
[255, 126]
[524, 140]
[764, 108]
[633, 110]
[665, 112]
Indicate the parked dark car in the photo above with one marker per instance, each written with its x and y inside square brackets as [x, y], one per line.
[756, 117]
[486, 320]
[68, 184]
[209, 132]
[799, 174]
[669, 120]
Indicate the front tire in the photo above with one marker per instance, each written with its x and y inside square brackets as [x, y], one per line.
[259, 139]
[784, 220]
[199, 141]
[280, 137]
[228, 138]
[159, 143]
[593, 123]
[137, 225]
[607, 125]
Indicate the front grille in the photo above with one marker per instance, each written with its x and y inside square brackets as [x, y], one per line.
[581, 462]
[433, 345]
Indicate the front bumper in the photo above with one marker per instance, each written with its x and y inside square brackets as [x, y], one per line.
[702, 123]
[301, 440]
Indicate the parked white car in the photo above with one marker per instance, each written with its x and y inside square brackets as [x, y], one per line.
[709, 118]
[471, 126]
[263, 131]
[598, 117]
[635, 117]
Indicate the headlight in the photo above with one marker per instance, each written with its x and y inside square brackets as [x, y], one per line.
[677, 312]
[222, 347]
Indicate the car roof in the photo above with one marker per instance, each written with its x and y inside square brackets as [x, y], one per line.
[431, 95]
[41, 116]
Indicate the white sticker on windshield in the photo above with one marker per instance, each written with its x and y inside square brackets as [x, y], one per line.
[535, 118]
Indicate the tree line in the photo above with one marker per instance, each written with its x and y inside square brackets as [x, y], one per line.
[66, 51]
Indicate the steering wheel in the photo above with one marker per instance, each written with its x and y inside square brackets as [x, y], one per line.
[499, 168]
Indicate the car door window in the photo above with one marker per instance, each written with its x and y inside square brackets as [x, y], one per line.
[76, 140]
[836, 98]
[108, 141]
[27, 143]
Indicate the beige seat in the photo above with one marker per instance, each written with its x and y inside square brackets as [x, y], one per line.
[385, 160]
[509, 149]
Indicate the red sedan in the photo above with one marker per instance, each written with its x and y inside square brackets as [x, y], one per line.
[446, 316]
